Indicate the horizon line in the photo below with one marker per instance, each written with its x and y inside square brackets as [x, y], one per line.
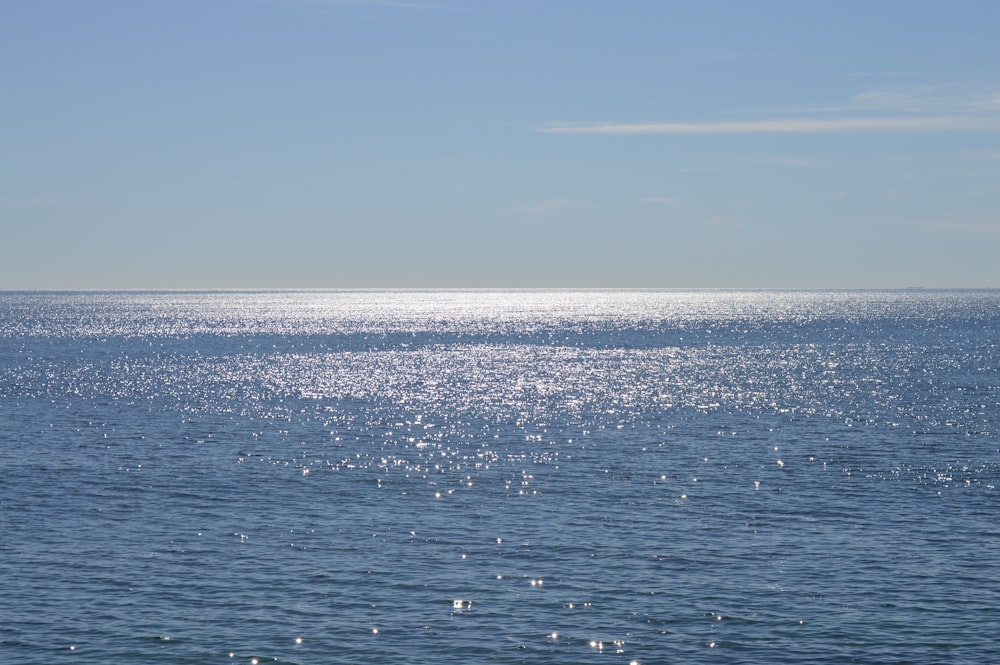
[252, 289]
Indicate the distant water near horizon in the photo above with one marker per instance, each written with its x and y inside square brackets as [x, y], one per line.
[554, 477]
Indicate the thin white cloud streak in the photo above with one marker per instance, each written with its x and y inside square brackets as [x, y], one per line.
[944, 100]
[929, 99]
[658, 200]
[789, 126]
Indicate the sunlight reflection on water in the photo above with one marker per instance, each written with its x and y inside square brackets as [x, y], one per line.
[517, 477]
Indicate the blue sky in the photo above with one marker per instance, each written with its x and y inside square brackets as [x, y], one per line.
[499, 143]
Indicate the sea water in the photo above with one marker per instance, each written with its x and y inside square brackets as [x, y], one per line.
[500, 477]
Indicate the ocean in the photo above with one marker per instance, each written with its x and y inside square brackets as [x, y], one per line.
[500, 477]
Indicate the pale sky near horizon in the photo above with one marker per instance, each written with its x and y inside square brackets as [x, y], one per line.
[499, 143]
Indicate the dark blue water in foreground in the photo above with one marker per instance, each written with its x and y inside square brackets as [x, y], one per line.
[500, 477]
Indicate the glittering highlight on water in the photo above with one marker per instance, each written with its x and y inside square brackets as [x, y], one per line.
[499, 476]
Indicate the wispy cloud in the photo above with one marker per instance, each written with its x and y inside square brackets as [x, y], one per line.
[946, 107]
[939, 99]
[658, 200]
[789, 126]
[545, 206]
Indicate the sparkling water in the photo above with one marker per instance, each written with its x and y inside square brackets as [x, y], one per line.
[500, 477]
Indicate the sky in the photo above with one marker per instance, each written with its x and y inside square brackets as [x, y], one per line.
[183, 144]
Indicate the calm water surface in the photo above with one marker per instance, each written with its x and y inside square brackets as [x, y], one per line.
[500, 477]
